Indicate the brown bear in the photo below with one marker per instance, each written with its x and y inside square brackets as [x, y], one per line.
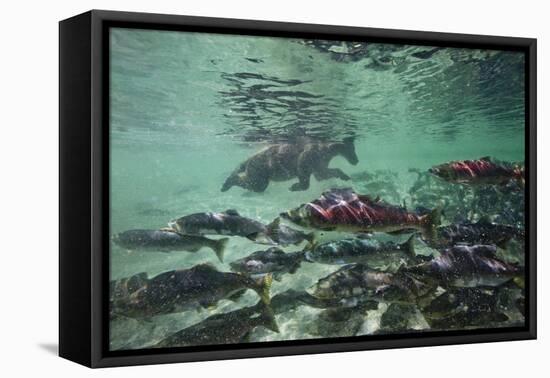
[281, 162]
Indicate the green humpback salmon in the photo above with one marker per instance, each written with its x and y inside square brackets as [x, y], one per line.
[231, 223]
[481, 171]
[284, 235]
[358, 280]
[359, 250]
[345, 210]
[178, 290]
[291, 299]
[481, 232]
[168, 241]
[468, 266]
[273, 260]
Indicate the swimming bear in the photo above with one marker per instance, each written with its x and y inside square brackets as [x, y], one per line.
[286, 161]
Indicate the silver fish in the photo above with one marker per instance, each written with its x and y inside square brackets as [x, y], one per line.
[272, 260]
[178, 290]
[228, 222]
[359, 250]
[167, 241]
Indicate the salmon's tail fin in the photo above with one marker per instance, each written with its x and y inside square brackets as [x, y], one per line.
[429, 223]
[311, 242]
[262, 286]
[219, 248]
[310, 237]
[267, 318]
[408, 246]
[519, 281]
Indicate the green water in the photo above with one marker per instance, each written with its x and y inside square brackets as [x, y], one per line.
[188, 108]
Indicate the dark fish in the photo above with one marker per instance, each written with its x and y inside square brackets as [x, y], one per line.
[356, 281]
[481, 232]
[468, 266]
[229, 222]
[272, 260]
[463, 307]
[291, 299]
[463, 320]
[221, 329]
[481, 171]
[167, 241]
[358, 250]
[179, 290]
[345, 210]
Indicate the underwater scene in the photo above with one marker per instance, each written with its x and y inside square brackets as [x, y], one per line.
[271, 189]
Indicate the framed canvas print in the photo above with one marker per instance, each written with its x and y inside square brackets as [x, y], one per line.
[233, 188]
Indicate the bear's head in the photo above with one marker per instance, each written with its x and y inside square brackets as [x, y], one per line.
[347, 150]
[233, 180]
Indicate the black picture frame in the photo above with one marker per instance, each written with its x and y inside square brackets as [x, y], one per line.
[84, 189]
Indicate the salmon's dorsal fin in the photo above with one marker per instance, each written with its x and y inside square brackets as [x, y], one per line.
[205, 267]
[274, 225]
[273, 229]
[486, 158]
[408, 246]
[232, 212]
